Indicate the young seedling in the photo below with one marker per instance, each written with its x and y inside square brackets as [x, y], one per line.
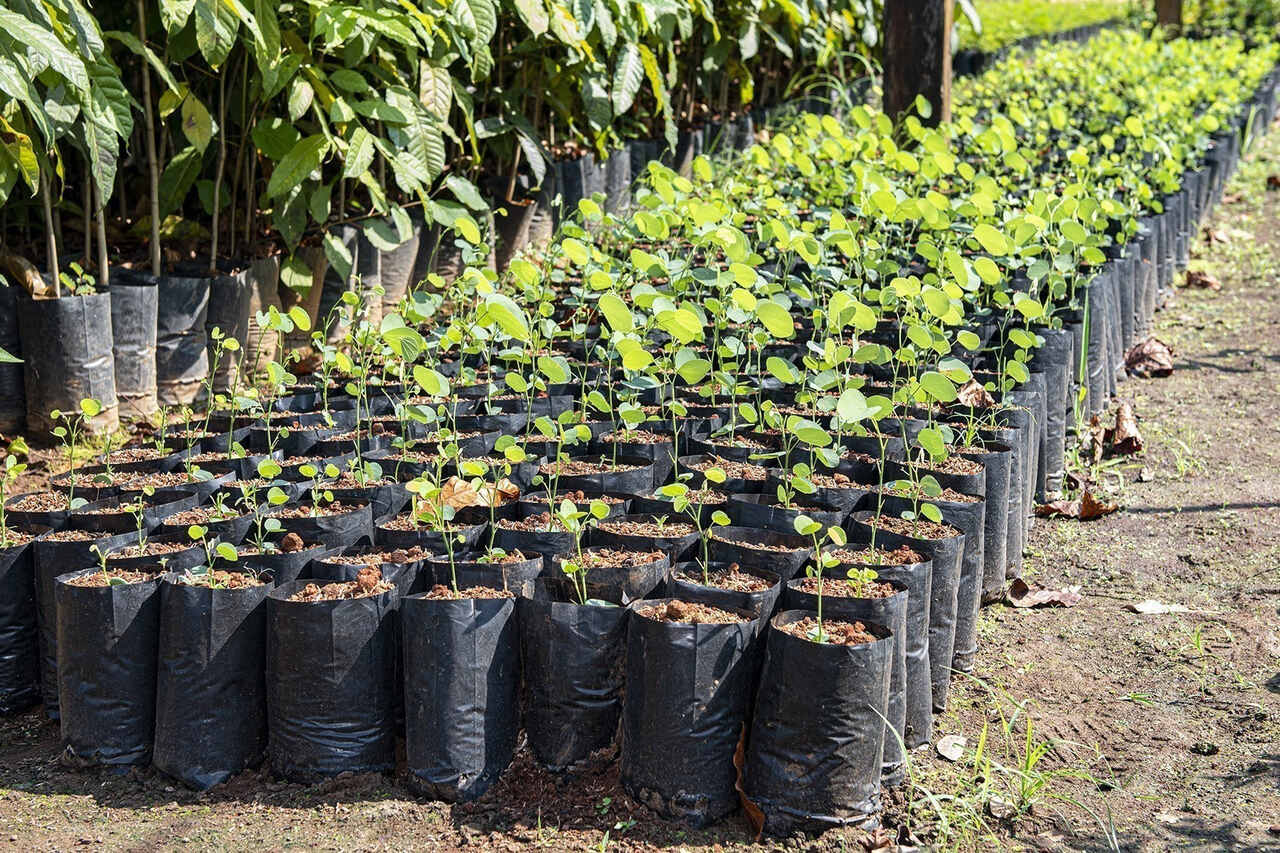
[577, 522]
[822, 561]
[9, 474]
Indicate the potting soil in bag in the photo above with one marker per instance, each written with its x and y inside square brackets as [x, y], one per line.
[330, 693]
[66, 354]
[891, 612]
[19, 646]
[211, 699]
[814, 755]
[686, 703]
[107, 638]
[462, 671]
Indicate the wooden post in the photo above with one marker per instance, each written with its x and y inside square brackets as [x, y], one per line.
[1169, 13]
[917, 56]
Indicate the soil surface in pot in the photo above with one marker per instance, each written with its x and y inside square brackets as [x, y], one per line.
[666, 530]
[951, 465]
[701, 497]
[111, 577]
[900, 556]
[636, 436]
[335, 508]
[377, 558]
[368, 582]
[755, 546]
[440, 592]
[838, 587]
[689, 613]
[920, 528]
[163, 480]
[201, 515]
[74, 536]
[946, 495]
[289, 544]
[16, 538]
[151, 549]
[732, 470]
[610, 558]
[732, 578]
[837, 633]
[219, 579]
[579, 467]
[43, 502]
[539, 523]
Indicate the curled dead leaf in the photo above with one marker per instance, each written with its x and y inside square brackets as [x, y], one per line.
[458, 493]
[1215, 235]
[1203, 280]
[1022, 594]
[1125, 438]
[1084, 508]
[972, 393]
[1150, 358]
[951, 747]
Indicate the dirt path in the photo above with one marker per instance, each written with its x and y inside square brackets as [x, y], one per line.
[1103, 728]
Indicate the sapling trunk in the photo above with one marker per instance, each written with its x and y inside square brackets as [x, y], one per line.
[217, 174]
[153, 168]
[51, 240]
[104, 273]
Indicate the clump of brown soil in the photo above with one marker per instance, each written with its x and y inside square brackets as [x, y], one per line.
[368, 582]
[440, 592]
[835, 632]
[291, 543]
[688, 612]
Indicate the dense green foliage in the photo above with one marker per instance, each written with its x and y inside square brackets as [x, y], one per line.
[1003, 22]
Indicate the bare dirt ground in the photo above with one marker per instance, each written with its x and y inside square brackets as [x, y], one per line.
[1089, 728]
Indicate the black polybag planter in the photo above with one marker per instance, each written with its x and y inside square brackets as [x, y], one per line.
[160, 505]
[1054, 359]
[211, 690]
[232, 530]
[813, 758]
[676, 547]
[945, 556]
[545, 543]
[187, 558]
[336, 530]
[622, 582]
[330, 684]
[686, 703]
[891, 612]
[761, 604]
[734, 545]
[403, 576]
[13, 398]
[429, 539]
[285, 567]
[995, 459]
[634, 480]
[573, 658]
[182, 360]
[385, 500]
[51, 560]
[514, 576]
[107, 641]
[758, 511]
[659, 454]
[134, 297]
[732, 485]
[66, 348]
[19, 643]
[462, 671]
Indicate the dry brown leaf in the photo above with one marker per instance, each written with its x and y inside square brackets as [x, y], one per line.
[1150, 358]
[1231, 198]
[1125, 438]
[1273, 182]
[1215, 235]
[754, 816]
[973, 394]
[1022, 594]
[26, 275]
[1203, 280]
[458, 493]
[1095, 440]
[1085, 508]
